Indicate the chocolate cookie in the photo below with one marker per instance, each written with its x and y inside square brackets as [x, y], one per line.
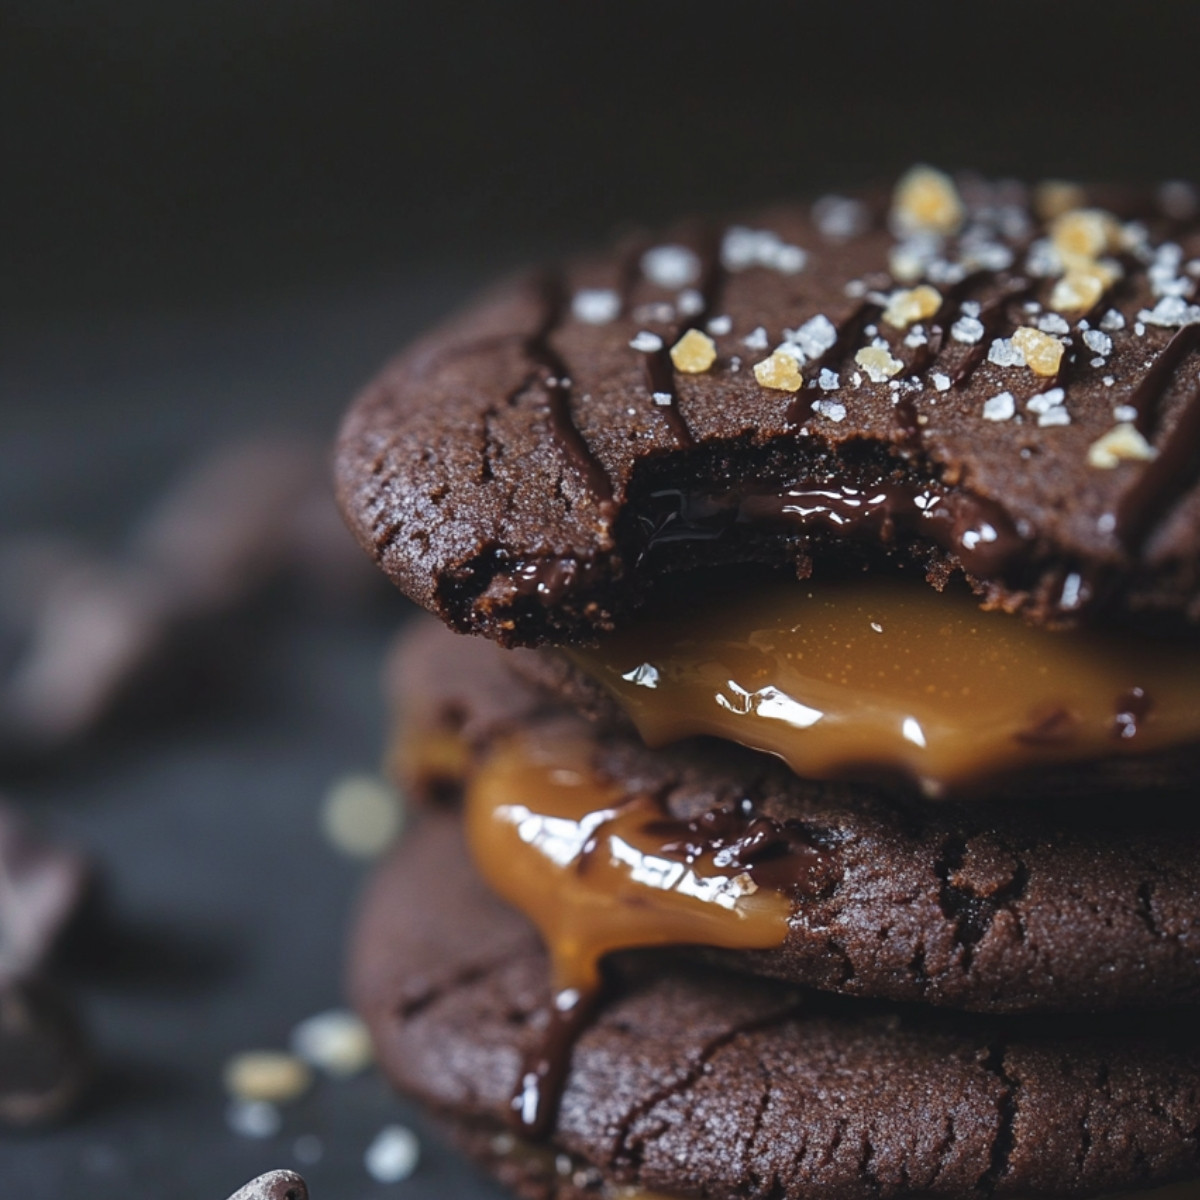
[690, 1081]
[949, 380]
[1081, 903]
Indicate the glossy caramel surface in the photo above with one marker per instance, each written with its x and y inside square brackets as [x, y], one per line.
[850, 677]
[589, 864]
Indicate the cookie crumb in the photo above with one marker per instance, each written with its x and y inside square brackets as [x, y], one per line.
[1122, 443]
[393, 1155]
[268, 1075]
[781, 372]
[336, 1042]
[926, 200]
[694, 353]
[1043, 352]
[361, 815]
[308, 1149]
[910, 305]
[253, 1118]
[878, 363]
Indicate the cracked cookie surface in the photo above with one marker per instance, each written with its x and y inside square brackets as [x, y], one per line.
[1025, 414]
[1005, 905]
[693, 1081]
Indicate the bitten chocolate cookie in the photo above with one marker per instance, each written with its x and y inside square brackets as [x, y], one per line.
[1084, 903]
[690, 1081]
[968, 378]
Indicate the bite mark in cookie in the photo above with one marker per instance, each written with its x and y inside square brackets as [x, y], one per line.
[509, 471]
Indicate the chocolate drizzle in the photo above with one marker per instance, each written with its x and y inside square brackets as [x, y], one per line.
[783, 856]
[660, 370]
[557, 381]
[1154, 384]
[535, 1099]
[660, 379]
[1165, 479]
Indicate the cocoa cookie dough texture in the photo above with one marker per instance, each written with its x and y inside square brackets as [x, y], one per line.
[1018, 376]
[822, 823]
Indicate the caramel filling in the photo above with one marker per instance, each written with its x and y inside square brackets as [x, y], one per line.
[597, 869]
[851, 677]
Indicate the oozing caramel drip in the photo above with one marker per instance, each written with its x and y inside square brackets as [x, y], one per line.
[597, 870]
[847, 678]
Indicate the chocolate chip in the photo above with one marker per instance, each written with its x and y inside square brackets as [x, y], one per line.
[44, 1062]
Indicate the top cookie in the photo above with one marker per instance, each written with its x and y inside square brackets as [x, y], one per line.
[965, 376]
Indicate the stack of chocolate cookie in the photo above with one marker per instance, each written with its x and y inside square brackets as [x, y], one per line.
[813, 812]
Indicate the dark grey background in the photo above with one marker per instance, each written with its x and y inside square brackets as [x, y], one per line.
[218, 218]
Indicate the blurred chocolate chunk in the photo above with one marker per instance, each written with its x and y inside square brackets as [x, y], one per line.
[77, 632]
[41, 885]
[44, 1059]
[274, 1185]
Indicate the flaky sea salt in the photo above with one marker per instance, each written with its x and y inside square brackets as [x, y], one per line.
[1004, 353]
[646, 342]
[393, 1155]
[967, 330]
[1055, 416]
[999, 407]
[742, 248]
[595, 306]
[1171, 312]
[814, 337]
[1053, 323]
[1044, 401]
[671, 267]
[840, 217]
[831, 409]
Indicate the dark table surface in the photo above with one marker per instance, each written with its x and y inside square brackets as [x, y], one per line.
[229, 908]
